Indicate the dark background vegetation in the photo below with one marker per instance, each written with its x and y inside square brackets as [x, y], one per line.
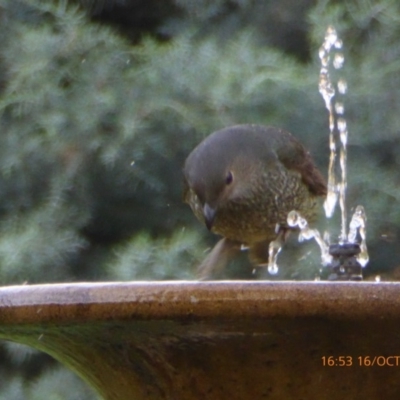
[101, 101]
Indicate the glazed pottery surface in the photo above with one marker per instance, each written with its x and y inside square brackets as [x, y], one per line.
[216, 340]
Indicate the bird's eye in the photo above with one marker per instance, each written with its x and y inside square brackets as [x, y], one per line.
[229, 178]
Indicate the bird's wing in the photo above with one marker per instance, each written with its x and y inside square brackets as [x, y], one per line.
[295, 157]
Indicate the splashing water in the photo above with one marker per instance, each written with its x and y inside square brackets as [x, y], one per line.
[274, 249]
[328, 91]
[296, 220]
[338, 132]
[358, 226]
[343, 256]
[337, 256]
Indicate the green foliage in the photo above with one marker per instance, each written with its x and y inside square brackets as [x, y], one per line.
[47, 382]
[12, 389]
[80, 106]
[144, 258]
[53, 385]
[31, 247]
[57, 384]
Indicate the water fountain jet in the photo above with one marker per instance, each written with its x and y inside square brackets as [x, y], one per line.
[348, 256]
[343, 260]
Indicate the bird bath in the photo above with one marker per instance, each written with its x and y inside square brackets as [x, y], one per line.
[215, 340]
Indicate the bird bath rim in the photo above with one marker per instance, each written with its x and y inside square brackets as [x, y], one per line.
[67, 302]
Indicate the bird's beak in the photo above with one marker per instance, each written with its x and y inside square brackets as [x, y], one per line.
[209, 215]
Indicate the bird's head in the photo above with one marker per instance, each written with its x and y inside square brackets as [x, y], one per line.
[214, 193]
[219, 172]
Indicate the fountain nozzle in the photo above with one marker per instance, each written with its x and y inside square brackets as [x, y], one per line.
[344, 265]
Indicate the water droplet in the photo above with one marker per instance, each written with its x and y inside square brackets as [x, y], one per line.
[358, 227]
[331, 36]
[330, 202]
[342, 86]
[363, 258]
[342, 124]
[343, 139]
[338, 60]
[339, 108]
[332, 144]
[343, 134]
[357, 223]
[273, 269]
[338, 44]
[322, 53]
[273, 250]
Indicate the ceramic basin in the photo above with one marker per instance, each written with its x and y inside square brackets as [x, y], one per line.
[216, 340]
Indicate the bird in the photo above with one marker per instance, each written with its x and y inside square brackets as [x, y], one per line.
[241, 182]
